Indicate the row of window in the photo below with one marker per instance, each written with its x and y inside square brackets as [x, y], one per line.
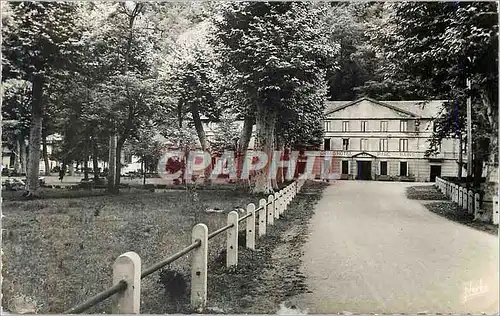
[403, 168]
[383, 144]
[403, 126]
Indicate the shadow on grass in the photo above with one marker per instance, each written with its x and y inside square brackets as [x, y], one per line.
[424, 192]
[447, 209]
[59, 252]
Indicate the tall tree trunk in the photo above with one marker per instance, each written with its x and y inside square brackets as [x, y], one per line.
[478, 172]
[242, 147]
[144, 164]
[17, 160]
[45, 155]
[86, 168]
[33, 170]
[95, 161]
[460, 159]
[205, 146]
[71, 168]
[266, 124]
[119, 147]
[23, 159]
[112, 164]
[277, 177]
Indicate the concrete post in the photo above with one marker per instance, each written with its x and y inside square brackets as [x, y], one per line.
[460, 196]
[127, 267]
[232, 240]
[262, 217]
[277, 204]
[287, 199]
[251, 226]
[270, 210]
[462, 190]
[495, 210]
[470, 202]
[283, 201]
[465, 199]
[476, 204]
[199, 264]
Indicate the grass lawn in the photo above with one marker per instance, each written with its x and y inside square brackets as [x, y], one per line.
[59, 251]
[438, 203]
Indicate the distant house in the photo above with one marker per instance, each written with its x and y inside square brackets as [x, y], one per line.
[371, 139]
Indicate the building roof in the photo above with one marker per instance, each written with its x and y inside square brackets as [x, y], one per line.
[417, 108]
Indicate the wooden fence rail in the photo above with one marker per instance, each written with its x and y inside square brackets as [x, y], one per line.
[127, 275]
[467, 200]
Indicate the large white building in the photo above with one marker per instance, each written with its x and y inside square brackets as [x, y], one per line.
[384, 140]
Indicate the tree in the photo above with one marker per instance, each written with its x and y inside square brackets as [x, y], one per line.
[357, 62]
[16, 103]
[124, 43]
[149, 148]
[432, 49]
[435, 47]
[192, 81]
[279, 51]
[38, 42]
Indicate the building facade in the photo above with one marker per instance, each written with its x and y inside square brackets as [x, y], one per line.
[386, 140]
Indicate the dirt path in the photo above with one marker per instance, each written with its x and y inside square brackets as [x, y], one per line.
[269, 275]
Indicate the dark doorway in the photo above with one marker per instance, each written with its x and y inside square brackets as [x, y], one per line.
[326, 144]
[403, 168]
[364, 170]
[383, 168]
[435, 172]
[345, 167]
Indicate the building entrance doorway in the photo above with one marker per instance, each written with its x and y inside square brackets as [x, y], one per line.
[364, 170]
[435, 172]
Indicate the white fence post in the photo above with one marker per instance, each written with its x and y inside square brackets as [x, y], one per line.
[127, 267]
[460, 197]
[251, 226]
[283, 200]
[287, 197]
[270, 210]
[456, 193]
[476, 204]
[470, 202]
[277, 204]
[232, 240]
[262, 217]
[495, 210]
[199, 263]
[465, 198]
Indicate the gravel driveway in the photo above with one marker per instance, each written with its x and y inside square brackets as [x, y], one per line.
[370, 249]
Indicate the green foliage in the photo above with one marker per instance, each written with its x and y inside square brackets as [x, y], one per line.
[40, 38]
[226, 133]
[277, 54]
[429, 49]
